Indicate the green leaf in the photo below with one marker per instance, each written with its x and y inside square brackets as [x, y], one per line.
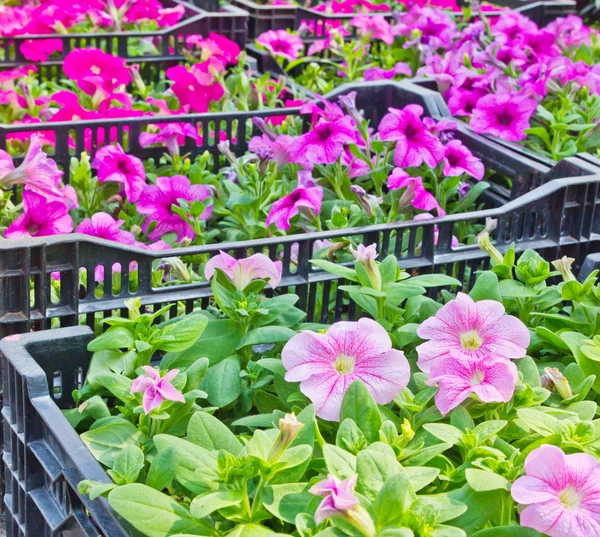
[338, 270]
[434, 280]
[486, 287]
[185, 332]
[107, 441]
[195, 373]
[163, 469]
[267, 334]
[444, 506]
[481, 506]
[118, 385]
[358, 404]
[396, 532]
[512, 289]
[394, 500]
[444, 432]
[339, 462]
[251, 530]
[484, 481]
[506, 531]
[208, 432]
[153, 513]
[423, 456]
[489, 428]
[222, 382]
[420, 476]
[205, 504]
[287, 501]
[375, 466]
[116, 337]
[129, 463]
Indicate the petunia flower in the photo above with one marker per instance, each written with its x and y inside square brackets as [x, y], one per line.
[171, 135]
[281, 43]
[104, 226]
[157, 201]
[113, 164]
[155, 388]
[196, 87]
[414, 143]
[374, 26]
[379, 73]
[327, 364]
[458, 376]
[458, 160]
[504, 115]
[339, 496]
[301, 199]
[325, 142]
[40, 218]
[561, 492]
[87, 65]
[243, 271]
[474, 329]
[415, 194]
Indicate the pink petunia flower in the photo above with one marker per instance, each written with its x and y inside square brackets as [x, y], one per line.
[305, 199]
[86, 66]
[327, 364]
[339, 496]
[562, 493]
[40, 218]
[281, 44]
[474, 329]
[458, 159]
[414, 143]
[155, 388]
[113, 164]
[375, 26]
[379, 73]
[243, 271]
[415, 193]
[458, 376]
[196, 87]
[325, 142]
[104, 226]
[171, 135]
[157, 201]
[504, 115]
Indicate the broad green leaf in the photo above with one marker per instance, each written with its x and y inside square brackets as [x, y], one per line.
[208, 432]
[374, 468]
[339, 462]
[267, 334]
[205, 504]
[337, 270]
[507, 531]
[434, 280]
[163, 469]
[445, 507]
[486, 287]
[251, 530]
[358, 404]
[287, 501]
[129, 462]
[420, 476]
[481, 506]
[116, 337]
[107, 441]
[444, 432]
[185, 332]
[484, 481]
[394, 500]
[222, 382]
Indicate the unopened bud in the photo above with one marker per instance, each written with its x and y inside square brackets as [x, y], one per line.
[563, 265]
[484, 242]
[553, 378]
[289, 427]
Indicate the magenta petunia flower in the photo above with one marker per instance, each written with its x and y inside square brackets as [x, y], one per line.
[379, 73]
[281, 44]
[561, 492]
[474, 329]
[504, 115]
[306, 199]
[327, 364]
[113, 164]
[415, 193]
[157, 201]
[155, 388]
[458, 159]
[325, 142]
[87, 65]
[40, 218]
[243, 271]
[171, 135]
[458, 376]
[339, 496]
[414, 143]
[375, 26]
[196, 87]
[104, 226]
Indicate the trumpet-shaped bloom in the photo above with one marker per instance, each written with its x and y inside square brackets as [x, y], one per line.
[171, 136]
[282, 211]
[157, 203]
[375, 26]
[504, 115]
[155, 388]
[414, 143]
[458, 159]
[113, 164]
[104, 226]
[415, 193]
[562, 493]
[458, 376]
[196, 87]
[327, 364]
[339, 496]
[281, 44]
[87, 65]
[40, 218]
[325, 143]
[243, 271]
[474, 329]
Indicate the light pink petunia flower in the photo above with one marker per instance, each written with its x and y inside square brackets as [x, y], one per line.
[243, 271]
[113, 164]
[562, 493]
[339, 496]
[458, 376]
[283, 210]
[155, 388]
[414, 143]
[40, 218]
[281, 44]
[327, 364]
[475, 329]
[504, 115]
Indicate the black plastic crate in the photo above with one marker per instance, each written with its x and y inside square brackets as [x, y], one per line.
[229, 21]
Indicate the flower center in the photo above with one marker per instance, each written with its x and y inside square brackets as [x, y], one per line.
[344, 364]
[570, 498]
[505, 117]
[453, 159]
[33, 228]
[478, 377]
[470, 340]
[95, 69]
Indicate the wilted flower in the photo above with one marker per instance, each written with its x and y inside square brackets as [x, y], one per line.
[281, 44]
[243, 271]
[457, 376]
[473, 329]
[327, 364]
[155, 388]
[301, 199]
[415, 194]
[554, 379]
[561, 493]
[113, 164]
[484, 242]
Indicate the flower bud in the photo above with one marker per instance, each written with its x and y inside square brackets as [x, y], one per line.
[289, 427]
[176, 267]
[223, 147]
[563, 266]
[366, 255]
[362, 199]
[348, 102]
[553, 378]
[484, 242]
